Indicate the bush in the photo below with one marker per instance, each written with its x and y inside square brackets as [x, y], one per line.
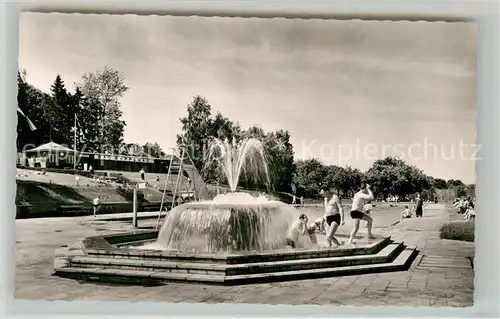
[463, 231]
[128, 194]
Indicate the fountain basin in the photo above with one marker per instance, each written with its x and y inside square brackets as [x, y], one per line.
[113, 258]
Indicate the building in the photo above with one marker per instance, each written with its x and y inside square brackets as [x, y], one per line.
[53, 155]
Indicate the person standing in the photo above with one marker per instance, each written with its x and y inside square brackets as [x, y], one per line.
[142, 172]
[419, 211]
[298, 228]
[334, 217]
[358, 202]
[96, 203]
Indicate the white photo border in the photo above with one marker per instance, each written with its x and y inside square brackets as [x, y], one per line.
[485, 14]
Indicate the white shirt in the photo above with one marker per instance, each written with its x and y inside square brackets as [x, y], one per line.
[96, 201]
[406, 212]
[296, 229]
[359, 200]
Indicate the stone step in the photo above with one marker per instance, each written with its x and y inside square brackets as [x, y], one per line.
[387, 254]
[401, 263]
[273, 256]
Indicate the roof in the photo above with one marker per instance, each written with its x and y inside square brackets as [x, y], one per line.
[50, 147]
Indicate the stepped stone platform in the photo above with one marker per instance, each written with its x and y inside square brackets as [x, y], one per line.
[113, 259]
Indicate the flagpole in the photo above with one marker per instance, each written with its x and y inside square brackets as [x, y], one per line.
[74, 146]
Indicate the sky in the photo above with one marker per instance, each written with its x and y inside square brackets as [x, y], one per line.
[348, 92]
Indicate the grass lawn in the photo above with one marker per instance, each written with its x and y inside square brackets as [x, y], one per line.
[459, 230]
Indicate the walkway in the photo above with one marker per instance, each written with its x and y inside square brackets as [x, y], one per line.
[440, 278]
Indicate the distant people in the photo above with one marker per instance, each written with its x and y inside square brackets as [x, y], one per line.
[334, 217]
[406, 213]
[91, 170]
[419, 211]
[302, 201]
[96, 204]
[294, 200]
[189, 182]
[142, 172]
[357, 214]
[298, 228]
[157, 178]
[470, 214]
[317, 225]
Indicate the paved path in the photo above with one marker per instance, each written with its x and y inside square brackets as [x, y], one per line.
[429, 283]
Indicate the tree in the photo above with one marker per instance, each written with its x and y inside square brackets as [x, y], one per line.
[153, 150]
[440, 183]
[350, 180]
[196, 127]
[88, 115]
[471, 190]
[309, 177]
[392, 176]
[461, 191]
[107, 86]
[61, 113]
[31, 101]
[452, 183]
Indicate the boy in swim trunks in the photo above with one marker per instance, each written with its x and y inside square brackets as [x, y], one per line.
[298, 228]
[317, 225]
[358, 202]
[334, 217]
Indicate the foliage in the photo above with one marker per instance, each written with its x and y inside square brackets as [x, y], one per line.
[461, 191]
[463, 231]
[128, 194]
[96, 97]
[309, 177]
[452, 183]
[440, 183]
[107, 86]
[146, 150]
[198, 128]
[392, 176]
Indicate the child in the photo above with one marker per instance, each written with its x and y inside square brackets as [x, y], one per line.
[406, 213]
[317, 225]
[298, 228]
[96, 202]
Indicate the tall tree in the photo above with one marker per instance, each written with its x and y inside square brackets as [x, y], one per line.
[61, 113]
[309, 177]
[107, 86]
[88, 114]
[196, 130]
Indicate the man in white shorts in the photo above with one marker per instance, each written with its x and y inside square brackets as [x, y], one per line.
[358, 202]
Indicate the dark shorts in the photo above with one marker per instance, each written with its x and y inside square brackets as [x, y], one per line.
[332, 218]
[290, 243]
[419, 211]
[96, 205]
[356, 214]
[311, 230]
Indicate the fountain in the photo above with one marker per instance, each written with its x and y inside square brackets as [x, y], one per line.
[235, 238]
[233, 222]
